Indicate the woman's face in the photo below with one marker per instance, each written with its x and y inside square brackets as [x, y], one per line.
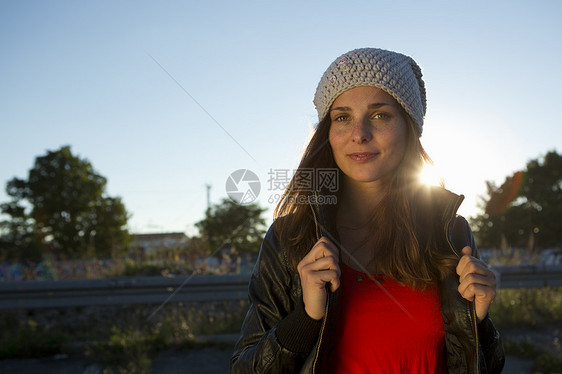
[367, 134]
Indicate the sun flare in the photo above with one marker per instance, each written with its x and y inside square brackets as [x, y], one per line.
[430, 175]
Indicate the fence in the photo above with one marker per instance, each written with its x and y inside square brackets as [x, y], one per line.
[155, 290]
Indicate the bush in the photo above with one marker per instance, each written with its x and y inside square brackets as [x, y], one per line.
[30, 340]
[126, 351]
[133, 269]
[544, 361]
[527, 307]
[548, 362]
[523, 349]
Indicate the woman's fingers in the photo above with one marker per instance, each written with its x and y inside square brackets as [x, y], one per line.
[323, 263]
[323, 248]
[324, 270]
[317, 269]
[477, 282]
[474, 267]
[473, 280]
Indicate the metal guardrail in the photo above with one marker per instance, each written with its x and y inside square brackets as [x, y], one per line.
[122, 290]
[155, 290]
[530, 276]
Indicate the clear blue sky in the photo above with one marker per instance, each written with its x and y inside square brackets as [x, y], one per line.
[81, 73]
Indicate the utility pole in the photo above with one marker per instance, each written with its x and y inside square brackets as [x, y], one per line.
[208, 186]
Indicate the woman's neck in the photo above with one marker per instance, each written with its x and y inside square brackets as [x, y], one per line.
[358, 202]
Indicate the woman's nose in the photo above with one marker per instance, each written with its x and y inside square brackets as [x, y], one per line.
[361, 131]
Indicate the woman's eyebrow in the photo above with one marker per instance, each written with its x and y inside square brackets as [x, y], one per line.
[341, 108]
[348, 109]
[377, 105]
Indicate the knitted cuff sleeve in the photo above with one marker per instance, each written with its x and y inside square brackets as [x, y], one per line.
[298, 332]
[486, 332]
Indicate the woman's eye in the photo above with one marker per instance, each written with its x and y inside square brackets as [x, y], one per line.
[341, 118]
[381, 116]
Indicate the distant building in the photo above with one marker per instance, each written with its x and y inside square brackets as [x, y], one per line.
[151, 243]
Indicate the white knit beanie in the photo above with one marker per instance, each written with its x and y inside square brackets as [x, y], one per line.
[395, 73]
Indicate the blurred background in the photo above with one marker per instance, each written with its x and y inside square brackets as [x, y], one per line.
[124, 126]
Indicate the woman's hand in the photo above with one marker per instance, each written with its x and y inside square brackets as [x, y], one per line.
[477, 282]
[319, 267]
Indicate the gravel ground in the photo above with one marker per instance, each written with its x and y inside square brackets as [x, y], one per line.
[201, 361]
[217, 361]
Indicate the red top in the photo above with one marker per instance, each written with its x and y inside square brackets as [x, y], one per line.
[387, 328]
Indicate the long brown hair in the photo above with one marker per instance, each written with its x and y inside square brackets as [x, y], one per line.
[403, 250]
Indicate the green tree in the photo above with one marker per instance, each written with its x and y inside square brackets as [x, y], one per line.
[524, 211]
[62, 207]
[230, 225]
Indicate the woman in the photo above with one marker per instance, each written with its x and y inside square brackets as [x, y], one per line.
[386, 280]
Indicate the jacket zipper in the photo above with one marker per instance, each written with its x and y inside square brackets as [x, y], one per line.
[315, 220]
[321, 336]
[477, 363]
[318, 236]
[473, 305]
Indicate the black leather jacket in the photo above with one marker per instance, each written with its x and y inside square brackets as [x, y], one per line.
[276, 307]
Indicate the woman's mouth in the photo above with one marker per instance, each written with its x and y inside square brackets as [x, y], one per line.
[362, 156]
